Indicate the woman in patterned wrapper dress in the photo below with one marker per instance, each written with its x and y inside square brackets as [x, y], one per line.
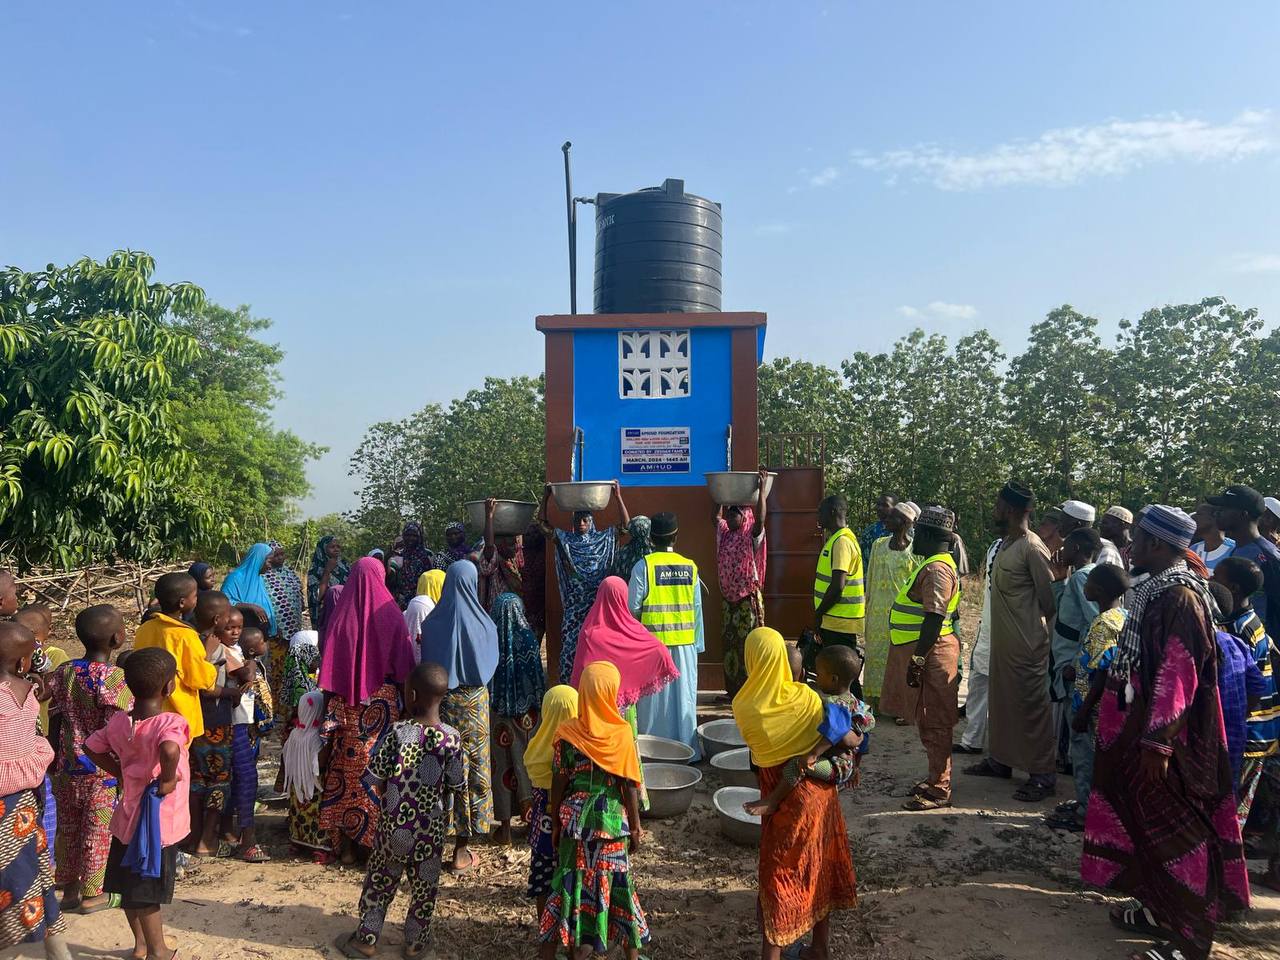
[515, 693]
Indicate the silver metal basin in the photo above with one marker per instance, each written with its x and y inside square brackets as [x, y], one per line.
[593, 495]
[717, 736]
[670, 787]
[510, 519]
[735, 823]
[663, 750]
[737, 487]
[734, 768]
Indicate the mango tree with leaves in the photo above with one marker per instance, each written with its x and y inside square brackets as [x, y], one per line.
[91, 465]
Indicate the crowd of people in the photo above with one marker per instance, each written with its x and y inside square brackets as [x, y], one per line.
[412, 698]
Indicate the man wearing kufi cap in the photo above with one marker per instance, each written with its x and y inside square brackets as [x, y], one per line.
[1114, 528]
[922, 679]
[1022, 607]
[1239, 508]
[1161, 824]
[665, 595]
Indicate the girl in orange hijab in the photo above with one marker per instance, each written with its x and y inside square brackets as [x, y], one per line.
[595, 775]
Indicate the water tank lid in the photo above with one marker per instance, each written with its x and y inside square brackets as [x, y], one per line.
[671, 187]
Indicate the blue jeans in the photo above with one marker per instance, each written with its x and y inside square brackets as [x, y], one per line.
[1081, 749]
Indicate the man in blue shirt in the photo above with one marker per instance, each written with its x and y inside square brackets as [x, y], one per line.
[1238, 509]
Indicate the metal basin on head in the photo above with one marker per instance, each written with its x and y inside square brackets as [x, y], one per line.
[737, 488]
[510, 519]
[593, 495]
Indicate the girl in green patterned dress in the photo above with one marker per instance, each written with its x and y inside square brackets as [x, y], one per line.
[595, 774]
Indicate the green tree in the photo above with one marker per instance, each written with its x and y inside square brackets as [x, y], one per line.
[251, 471]
[1058, 408]
[91, 461]
[798, 397]
[489, 443]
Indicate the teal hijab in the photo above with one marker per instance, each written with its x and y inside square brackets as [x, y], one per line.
[245, 584]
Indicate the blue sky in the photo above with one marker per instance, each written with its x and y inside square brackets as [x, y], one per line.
[384, 180]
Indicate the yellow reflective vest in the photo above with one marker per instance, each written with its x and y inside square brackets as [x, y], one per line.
[668, 611]
[906, 616]
[852, 604]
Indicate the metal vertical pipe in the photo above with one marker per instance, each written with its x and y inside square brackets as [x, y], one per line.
[572, 216]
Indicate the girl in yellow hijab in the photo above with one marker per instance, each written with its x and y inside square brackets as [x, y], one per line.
[595, 803]
[559, 704]
[778, 717]
[420, 607]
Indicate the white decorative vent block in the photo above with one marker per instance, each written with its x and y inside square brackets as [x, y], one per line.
[653, 364]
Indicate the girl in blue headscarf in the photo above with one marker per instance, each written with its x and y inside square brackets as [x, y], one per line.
[245, 586]
[462, 638]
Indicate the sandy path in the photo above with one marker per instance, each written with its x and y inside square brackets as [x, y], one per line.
[982, 881]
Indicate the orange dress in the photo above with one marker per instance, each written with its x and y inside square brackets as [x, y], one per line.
[806, 870]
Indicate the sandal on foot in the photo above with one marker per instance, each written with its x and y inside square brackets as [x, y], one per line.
[1136, 918]
[985, 768]
[921, 802]
[795, 951]
[112, 902]
[1033, 792]
[473, 861]
[961, 748]
[223, 852]
[1161, 951]
[346, 944]
[1063, 820]
[254, 854]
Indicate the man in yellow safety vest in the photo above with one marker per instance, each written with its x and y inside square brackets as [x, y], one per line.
[665, 595]
[922, 678]
[839, 594]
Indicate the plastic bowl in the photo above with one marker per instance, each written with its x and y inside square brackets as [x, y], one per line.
[593, 495]
[735, 823]
[662, 750]
[737, 487]
[670, 787]
[510, 519]
[717, 736]
[734, 768]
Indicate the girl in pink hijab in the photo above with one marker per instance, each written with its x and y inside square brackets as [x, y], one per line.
[610, 632]
[367, 657]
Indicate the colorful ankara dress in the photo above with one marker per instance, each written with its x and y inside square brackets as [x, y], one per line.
[417, 561]
[887, 570]
[806, 871]
[1172, 843]
[85, 695]
[28, 901]
[367, 657]
[593, 892]
[515, 693]
[559, 705]
[417, 765]
[582, 561]
[461, 637]
[740, 561]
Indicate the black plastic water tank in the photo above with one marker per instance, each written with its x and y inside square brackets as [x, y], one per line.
[658, 250]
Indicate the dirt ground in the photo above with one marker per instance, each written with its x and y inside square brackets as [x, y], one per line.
[984, 880]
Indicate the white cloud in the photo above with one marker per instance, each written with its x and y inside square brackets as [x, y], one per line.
[1257, 263]
[952, 311]
[939, 310]
[824, 177]
[1070, 154]
[772, 229]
